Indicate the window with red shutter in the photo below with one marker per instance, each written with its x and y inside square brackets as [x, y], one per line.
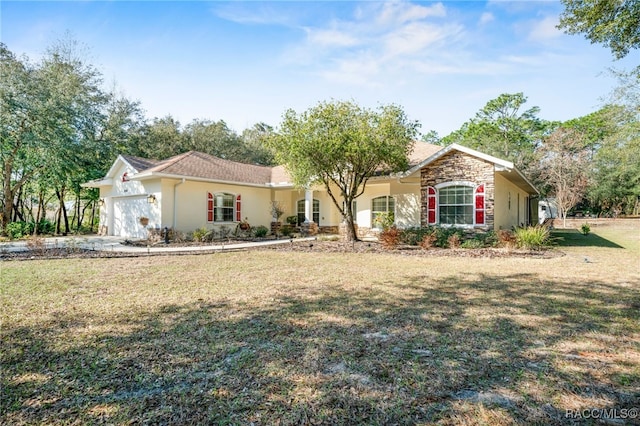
[238, 208]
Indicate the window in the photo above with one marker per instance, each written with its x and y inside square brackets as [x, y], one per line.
[455, 204]
[220, 207]
[315, 213]
[380, 206]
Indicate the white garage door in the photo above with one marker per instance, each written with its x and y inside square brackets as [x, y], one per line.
[126, 217]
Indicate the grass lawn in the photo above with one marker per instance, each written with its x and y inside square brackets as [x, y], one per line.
[267, 337]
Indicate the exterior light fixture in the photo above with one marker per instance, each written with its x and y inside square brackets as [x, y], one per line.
[151, 199]
[101, 202]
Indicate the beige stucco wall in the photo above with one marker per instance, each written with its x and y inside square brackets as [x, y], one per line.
[191, 205]
[509, 214]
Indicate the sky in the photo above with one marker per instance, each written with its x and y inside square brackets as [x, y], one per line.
[249, 62]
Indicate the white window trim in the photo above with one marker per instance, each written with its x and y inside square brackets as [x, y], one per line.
[235, 196]
[468, 183]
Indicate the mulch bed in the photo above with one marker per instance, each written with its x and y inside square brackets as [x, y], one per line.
[317, 246]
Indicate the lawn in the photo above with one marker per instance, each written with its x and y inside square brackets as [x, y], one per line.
[267, 337]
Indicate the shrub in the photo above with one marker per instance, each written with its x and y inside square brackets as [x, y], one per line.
[260, 231]
[585, 229]
[415, 236]
[292, 220]
[200, 234]
[15, 230]
[473, 243]
[286, 231]
[428, 240]
[532, 237]
[443, 235]
[390, 237]
[506, 238]
[453, 241]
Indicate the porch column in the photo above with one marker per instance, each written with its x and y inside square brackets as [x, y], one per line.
[308, 206]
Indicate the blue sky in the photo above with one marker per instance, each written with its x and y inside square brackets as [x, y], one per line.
[247, 62]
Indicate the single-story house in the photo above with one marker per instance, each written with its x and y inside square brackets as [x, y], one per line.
[445, 186]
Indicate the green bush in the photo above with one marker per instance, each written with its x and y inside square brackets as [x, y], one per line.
[384, 220]
[292, 220]
[200, 234]
[473, 243]
[585, 229]
[414, 236]
[286, 231]
[532, 237]
[260, 231]
[14, 230]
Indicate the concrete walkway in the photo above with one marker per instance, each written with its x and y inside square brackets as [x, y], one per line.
[115, 244]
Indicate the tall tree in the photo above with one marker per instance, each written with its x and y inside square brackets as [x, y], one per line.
[614, 23]
[564, 164]
[255, 140]
[502, 129]
[162, 138]
[341, 145]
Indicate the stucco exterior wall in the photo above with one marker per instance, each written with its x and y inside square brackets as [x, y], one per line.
[191, 205]
[458, 166]
[511, 204]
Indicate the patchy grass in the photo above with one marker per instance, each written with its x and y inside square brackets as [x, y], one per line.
[321, 338]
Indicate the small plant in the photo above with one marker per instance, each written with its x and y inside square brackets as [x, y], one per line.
[428, 240]
[390, 237]
[415, 235]
[585, 229]
[200, 234]
[35, 243]
[532, 237]
[286, 230]
[454, 241]
[473, 243]
[292, 220]
[384, 220]
[260, 231]
[506, 238]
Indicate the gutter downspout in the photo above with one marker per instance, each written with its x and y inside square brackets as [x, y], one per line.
[175, 204]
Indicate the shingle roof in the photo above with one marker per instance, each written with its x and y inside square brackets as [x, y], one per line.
[204, 166]
[421, 151]
[140, 163]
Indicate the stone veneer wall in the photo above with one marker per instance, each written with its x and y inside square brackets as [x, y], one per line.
[458, 166]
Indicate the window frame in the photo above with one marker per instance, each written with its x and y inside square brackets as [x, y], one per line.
[229, 212]
[315, 214]
[478, 204]
[374, 213]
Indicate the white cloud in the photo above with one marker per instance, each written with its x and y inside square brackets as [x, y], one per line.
[331, 37]
[399, 12]
[486, 18]
[545, 29]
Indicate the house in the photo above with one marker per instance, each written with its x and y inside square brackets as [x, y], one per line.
[446, 186]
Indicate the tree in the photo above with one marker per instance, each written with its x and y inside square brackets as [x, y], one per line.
[564, 165]
[255, 140]
[49, 113]
[501, 129]
[341, 145]
[614, 23]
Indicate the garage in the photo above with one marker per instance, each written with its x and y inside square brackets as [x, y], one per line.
[127, 212]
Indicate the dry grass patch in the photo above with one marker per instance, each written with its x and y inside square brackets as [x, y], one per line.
[320, 338]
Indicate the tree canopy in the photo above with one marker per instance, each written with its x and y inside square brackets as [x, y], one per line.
[342, 145]
[613, 23]
[502, 129]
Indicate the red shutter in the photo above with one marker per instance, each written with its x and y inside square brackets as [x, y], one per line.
[209, 207]
[431, 205]
[479, 205]
[238, 209]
